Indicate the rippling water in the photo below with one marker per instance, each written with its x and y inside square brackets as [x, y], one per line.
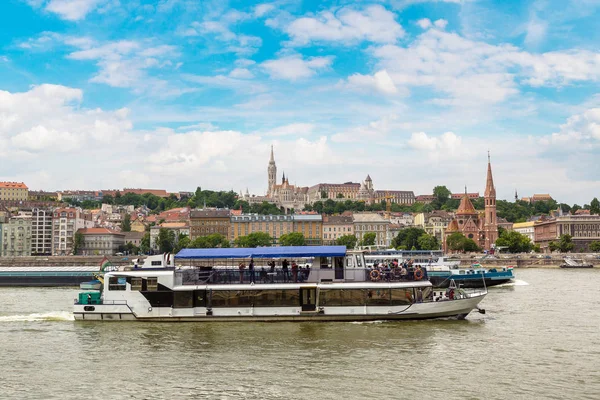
[539, 339]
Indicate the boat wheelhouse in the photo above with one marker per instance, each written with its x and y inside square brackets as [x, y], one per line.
[313, 283]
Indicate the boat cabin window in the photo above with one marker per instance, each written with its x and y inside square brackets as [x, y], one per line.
[183, 299]
[402, 297]
[342, 297]
[117, 283]
[378, 297]
[199, 298]
[136, 284]
[256, 298]
[156, 263]
[152, 284]
[325, 262]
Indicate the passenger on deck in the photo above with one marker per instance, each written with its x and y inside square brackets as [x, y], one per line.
[241, 267]
[272, 270]
[263, 275]
[251, 269]
[286, 272]
[294, 271]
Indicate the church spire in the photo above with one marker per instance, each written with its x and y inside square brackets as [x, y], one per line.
[490, 190]
[272, 160]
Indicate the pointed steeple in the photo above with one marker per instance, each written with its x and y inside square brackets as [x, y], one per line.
[283, 178]
[466, 207]
[490, 190]
[272, 160]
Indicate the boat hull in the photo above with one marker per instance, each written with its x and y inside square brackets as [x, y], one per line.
[474, 283]
[44, 280]
[417, 311]
[567, 266]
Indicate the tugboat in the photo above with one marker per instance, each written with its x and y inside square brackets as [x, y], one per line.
[324, 283]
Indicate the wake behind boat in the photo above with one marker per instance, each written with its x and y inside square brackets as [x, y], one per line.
[321, 283]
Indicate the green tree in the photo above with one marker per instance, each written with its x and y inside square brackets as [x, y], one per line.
[145, 243]
[595, 206]
[428, 242]
[292, 239]
[458, 242]
[537, 248]
[408, 238]
[182, 242]
[565, 243]
[594, 246]
[347, 240]
[210, 241]
[165, 240]
[126, 224]
[442, 194]
[77, 242]
[255, 239]
[369, 239]
[339, 196]
[515, 242]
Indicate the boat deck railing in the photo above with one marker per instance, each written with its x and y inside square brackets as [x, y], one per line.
[199, 276]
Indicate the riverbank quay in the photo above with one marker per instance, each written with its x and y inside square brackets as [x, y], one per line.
[515, 260]
[63, 261]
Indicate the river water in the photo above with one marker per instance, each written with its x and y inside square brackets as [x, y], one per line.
[540, 338]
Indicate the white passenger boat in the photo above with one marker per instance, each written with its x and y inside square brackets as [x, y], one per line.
[338, 287]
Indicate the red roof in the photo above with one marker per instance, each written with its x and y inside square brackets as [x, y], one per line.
[13, 185]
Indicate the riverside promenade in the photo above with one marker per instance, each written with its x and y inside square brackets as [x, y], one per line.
[524, 260]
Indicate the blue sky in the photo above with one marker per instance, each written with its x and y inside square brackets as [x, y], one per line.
[183, 93]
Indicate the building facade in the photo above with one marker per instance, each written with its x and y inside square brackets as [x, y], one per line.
[434, 223]
[284, 195]
[41, 232]
[178, 229]
[336, 226]
[311, 226]
[584, 229]
[372, 222]
[13, 191]
[274, 225]
[65, 223]
[16, 236]
[481, 228]
[525, 229]
[208, 221]
[100, 242]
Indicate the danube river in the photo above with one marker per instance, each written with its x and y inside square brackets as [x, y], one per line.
[539, 339]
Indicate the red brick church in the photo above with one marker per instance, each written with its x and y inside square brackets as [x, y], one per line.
[481, 227]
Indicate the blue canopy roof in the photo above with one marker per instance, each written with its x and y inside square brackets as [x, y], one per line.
[265, 252]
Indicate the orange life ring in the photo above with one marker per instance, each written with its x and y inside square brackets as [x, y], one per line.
[375, 275]
[418, 274]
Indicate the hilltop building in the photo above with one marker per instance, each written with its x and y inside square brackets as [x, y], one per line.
[13, 191]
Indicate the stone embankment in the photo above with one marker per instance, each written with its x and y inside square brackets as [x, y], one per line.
[62, 261]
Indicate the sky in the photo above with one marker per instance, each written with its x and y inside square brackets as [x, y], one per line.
[175, 94]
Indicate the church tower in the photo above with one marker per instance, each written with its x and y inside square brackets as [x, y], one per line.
[272, 173]
[491, 222]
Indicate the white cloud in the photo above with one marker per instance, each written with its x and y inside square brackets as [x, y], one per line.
[579, 130]
[441, 23]
[374, 24]
[48, 140]
[297, 129]
[222, 29]
[72, 10]
[262, 9]
[241, 73]
[295, 67]
[424, 23]
[380, 82]
[373, 132]
[535, 32]
[125, 63]
[446, 143]
[476, 74]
